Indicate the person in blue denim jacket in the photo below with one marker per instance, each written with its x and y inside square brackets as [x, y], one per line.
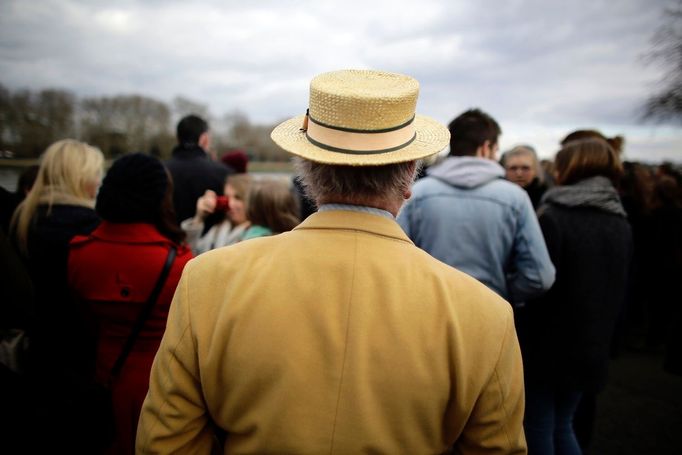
[467, 215]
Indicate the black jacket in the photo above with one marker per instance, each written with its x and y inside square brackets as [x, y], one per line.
[565, 335]
[58, 330]
[535, 192]
[193, 173]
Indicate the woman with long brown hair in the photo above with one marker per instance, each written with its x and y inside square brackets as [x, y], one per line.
[272, 208]
[566, 334]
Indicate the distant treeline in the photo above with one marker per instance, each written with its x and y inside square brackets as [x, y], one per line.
[31, 120]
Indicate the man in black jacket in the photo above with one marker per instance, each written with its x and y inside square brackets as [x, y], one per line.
[192, 168]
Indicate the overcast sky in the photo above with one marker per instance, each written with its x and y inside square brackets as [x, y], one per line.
[542, 68]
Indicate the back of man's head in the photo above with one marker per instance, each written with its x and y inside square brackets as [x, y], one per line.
[470, 130]
[190, 129]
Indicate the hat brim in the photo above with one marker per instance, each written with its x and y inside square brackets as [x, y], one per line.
[431, 137]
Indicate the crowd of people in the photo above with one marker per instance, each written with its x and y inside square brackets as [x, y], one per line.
[354, 330]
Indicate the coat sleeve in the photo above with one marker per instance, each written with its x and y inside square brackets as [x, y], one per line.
[496, 422]
[174, 418]
[552, 235]
[532, 271]
[193, 230]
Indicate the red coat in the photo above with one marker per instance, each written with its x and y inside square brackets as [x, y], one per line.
[115, 269]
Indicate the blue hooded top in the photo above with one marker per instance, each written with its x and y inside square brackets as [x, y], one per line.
[465, 214]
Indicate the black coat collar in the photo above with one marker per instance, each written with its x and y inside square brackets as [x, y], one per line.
[185, 151]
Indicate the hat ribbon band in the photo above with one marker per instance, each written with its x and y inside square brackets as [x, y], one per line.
[360, 142]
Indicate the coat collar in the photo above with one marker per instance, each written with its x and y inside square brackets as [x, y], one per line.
[354, 221]
[188, 151]
[129, 233]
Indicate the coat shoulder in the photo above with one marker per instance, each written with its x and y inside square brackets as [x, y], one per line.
[469, 295]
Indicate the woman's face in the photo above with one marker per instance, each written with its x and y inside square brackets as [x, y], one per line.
[237, 213]
[520, 169]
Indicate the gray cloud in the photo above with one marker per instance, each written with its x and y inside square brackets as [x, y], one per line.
[541, 68]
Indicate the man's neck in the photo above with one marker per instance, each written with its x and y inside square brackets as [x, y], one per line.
[388, 204]
[190, 146]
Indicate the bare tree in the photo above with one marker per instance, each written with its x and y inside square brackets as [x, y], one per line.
[666, 103]
[30, 121]
[239, 133]
[122, 124]
[8, 133]
[55, 110]
[184, 106]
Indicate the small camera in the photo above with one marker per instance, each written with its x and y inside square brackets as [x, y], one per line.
[222, 204]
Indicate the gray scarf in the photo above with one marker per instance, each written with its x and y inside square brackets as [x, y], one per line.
[597, 192]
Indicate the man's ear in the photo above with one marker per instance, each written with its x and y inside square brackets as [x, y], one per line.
[205, 140]
[483, 151]
[487, 151]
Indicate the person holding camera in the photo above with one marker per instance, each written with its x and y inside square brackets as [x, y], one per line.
[233, 207]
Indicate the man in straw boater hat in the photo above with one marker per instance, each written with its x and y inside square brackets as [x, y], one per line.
[340, 336]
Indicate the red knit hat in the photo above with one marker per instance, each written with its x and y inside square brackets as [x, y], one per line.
[237, 160]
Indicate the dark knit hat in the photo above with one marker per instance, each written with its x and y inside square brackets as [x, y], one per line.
[133, 190]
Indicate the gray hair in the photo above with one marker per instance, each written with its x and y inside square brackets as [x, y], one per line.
[524, 150]
[355, 183]
[519, 150]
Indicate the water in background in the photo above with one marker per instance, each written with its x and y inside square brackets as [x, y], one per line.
[9, 177]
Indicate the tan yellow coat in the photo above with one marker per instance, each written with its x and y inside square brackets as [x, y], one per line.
[339, 337]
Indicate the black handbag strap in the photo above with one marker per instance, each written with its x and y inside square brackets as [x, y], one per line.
[144, 314]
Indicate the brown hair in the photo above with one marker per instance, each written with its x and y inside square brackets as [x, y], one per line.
[470, 130]
[240, 183]
[272, 204]
[615, 142]
[166, 221]
[582, 159]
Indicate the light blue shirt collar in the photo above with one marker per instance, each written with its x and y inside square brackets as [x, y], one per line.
[356, 208]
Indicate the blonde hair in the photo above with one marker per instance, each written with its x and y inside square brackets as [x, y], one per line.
[272, 204]
[68, 170]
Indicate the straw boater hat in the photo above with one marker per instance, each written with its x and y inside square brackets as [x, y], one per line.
[362, 118]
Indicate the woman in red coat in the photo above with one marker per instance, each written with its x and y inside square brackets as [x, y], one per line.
[114, 270]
